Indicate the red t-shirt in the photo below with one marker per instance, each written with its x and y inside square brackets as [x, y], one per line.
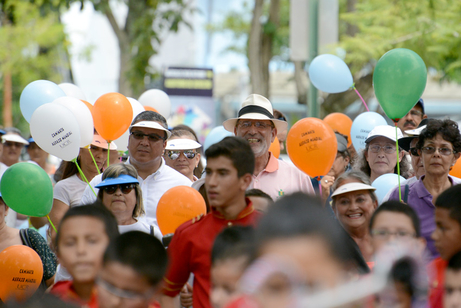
[65, 291]
[436, 282]
[190, 252]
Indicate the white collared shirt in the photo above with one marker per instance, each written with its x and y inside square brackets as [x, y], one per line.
[153, 187]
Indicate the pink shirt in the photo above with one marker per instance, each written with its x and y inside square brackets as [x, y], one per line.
[280, 178]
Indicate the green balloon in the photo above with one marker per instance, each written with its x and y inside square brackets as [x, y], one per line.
[27, 189]
[399, 80]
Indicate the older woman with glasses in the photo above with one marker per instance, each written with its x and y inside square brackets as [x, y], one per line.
[121, 194]
[181, 153]
[439, 147]
[380, 155]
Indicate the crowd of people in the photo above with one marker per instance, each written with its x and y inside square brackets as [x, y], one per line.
[272, 236]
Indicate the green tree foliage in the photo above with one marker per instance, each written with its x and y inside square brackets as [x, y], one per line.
[33, 43]
[140, 36]
[431, 28]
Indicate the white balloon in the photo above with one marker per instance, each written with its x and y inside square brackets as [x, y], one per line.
[83, 116]
[158, 100]
[55, 129]
[122, 142]
[72, 90]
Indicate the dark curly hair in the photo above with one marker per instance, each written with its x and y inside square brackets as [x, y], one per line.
[361, 164]
[447, 128]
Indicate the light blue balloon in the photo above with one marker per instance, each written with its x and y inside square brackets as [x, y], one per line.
[330, 74]
[361, 127]
[216, 134]
[386, 183]
[38, 93]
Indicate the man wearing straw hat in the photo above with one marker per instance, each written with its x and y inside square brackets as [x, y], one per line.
[256, 124]
[146, 144]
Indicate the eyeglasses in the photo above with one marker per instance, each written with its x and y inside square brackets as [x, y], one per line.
[414, 152]
[257, 124]
[151, 137]
[125, 294]
[416, 113]
[385, 234]
[13, 144]
[388, 149]
[125, 188]
[442, 151]
[174, 155]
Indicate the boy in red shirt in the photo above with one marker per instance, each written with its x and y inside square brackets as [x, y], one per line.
[447, 237]
[230, 165]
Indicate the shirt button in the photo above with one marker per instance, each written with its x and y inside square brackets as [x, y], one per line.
[229, 224]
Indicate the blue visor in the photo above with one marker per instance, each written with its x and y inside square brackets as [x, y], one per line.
[30, 140]
[121, 179]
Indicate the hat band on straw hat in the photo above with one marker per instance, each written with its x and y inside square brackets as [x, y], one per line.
[255, 109]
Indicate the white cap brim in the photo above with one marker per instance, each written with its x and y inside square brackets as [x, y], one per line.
[416, 131]
[351, 187]
[182, 144]
[14, 138]
[151, 124]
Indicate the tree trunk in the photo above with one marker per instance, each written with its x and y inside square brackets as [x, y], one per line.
[125, 48]
[7, 99]
[254, 51]
[351, 30]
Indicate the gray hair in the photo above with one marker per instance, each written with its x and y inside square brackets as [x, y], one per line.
[114, 171]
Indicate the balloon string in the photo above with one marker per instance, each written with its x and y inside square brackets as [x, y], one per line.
[96, 165]
[51, 223]
[108, 152]
[398, 162]
[84, 177]
[363, 101]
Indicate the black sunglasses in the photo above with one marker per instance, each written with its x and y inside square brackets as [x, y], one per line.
[151, 137]
[414, 152]
[125, 188]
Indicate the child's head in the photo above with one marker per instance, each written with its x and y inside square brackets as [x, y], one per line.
[83, 236]
[133, 267]
[447, 234]
[452, 295]
[261, 201]
[230, 165]
[394, 220]
[230, 255]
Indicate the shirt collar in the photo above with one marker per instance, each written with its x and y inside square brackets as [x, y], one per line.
[245, 212]
[272, 164]
[159, 170]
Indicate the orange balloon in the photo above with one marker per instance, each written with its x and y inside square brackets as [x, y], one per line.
[275, 147]
[340, 123]
[312, 146]
[112, 115]
[88, 105]
[178, 205]
[456, 170]
[149, 108]
[21, 272]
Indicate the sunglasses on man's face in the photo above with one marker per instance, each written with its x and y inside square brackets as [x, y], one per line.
[152, 137]
[414, 152]
[174, 155]
[125, 188]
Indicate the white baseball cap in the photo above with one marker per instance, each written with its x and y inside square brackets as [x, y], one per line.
[351, 187]
[384, 131]
[12, 137]
[151, 124]
[182, 144]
